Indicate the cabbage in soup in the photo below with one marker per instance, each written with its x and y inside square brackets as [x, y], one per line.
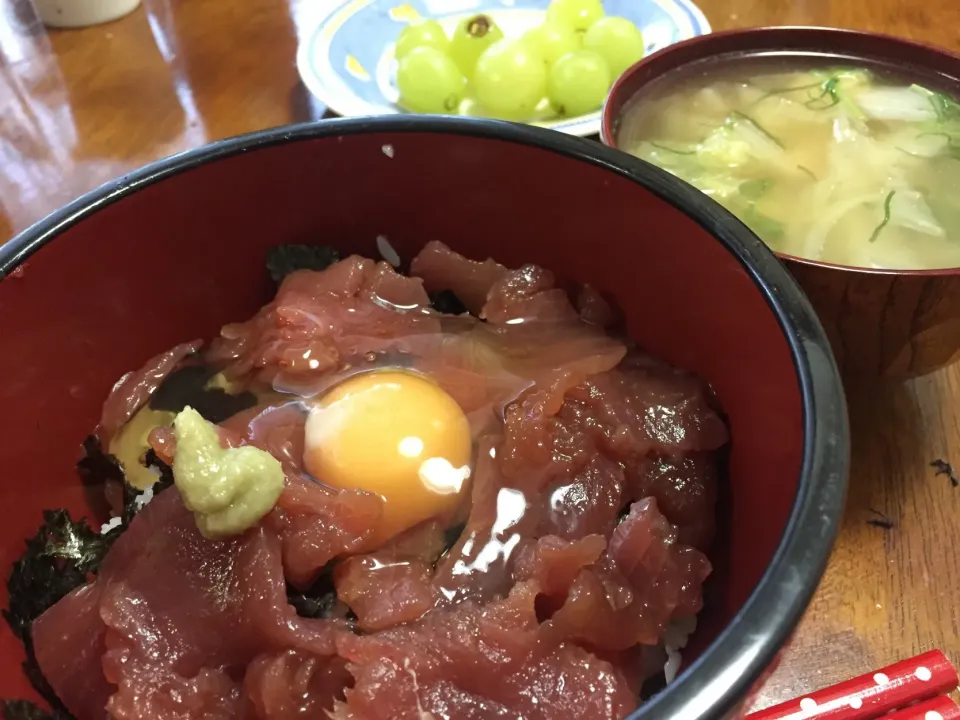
[841, 165]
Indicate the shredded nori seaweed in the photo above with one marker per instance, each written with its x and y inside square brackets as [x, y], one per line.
[447, 302]
[99, 470]
[130, 493]
[59, 558]
[26, 710]
[166, 472]
[318, 601]
[451, 535]
[652, 686]
[285, 259]
[97, 467]
[65, 554]
[188, 386]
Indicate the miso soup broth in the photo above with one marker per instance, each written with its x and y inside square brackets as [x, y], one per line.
[842, 164]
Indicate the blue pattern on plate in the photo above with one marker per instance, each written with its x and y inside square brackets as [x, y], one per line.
[347, 60]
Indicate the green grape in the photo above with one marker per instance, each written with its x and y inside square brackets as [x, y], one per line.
[429, 82]
[577, 14]
[578, 83]
[617, 40]
[510, 79]
[552, 40]
[428, 33]
[470, 39]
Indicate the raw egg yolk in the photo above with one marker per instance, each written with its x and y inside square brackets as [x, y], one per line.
[396, 434]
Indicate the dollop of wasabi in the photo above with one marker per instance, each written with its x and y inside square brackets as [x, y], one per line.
[228, 490]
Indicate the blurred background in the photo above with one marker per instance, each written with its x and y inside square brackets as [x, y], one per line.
[81, 106]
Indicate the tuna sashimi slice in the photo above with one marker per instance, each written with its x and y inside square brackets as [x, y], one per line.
[177, 620]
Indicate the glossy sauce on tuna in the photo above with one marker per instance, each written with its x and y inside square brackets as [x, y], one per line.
[544, 592]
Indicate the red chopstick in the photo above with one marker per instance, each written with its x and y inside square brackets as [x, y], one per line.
[938, 708]
[897, 687]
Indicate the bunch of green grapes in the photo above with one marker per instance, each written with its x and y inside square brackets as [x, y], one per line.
[585, 52]
[433, 69]
[572, 59]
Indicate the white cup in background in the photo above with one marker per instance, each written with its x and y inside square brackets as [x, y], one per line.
[80, 13]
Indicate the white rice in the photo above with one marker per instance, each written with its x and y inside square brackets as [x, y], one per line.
[143, 498]
[111, 525]
[138, 502]
[674, 640]
[387, 252]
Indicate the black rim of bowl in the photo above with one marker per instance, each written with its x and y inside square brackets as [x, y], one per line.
[721, 677]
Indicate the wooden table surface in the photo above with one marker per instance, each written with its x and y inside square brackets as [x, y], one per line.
[81, 106]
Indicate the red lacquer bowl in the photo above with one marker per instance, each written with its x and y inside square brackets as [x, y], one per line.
[881, 324]
[177, 249]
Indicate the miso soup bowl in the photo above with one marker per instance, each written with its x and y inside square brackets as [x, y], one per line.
[882, 324]
[177, 249]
